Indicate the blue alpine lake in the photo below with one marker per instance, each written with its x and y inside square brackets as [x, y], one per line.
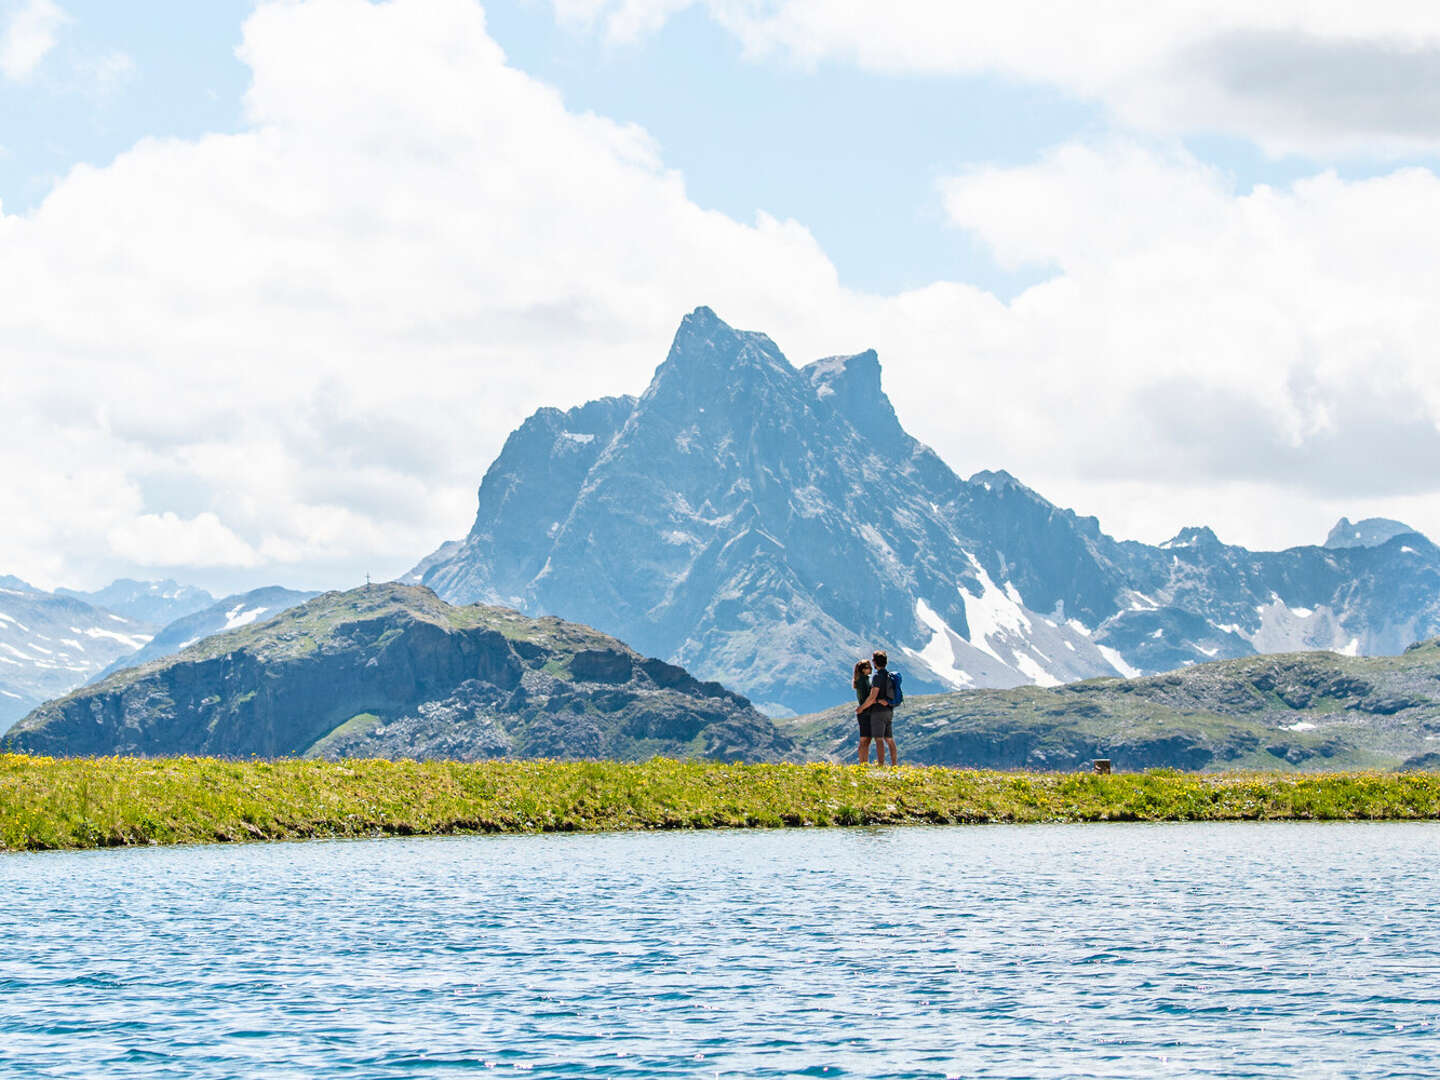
[1030, 951]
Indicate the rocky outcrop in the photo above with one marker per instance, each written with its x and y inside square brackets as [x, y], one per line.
[393, 671]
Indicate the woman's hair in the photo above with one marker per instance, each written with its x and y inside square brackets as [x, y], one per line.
[855, 682]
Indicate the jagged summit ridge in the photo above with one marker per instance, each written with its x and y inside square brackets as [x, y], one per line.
[1193, 536]
[1372, 532]
[765, 524]
[708, 355]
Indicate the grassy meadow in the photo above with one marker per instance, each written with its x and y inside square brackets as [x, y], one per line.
[51, 803]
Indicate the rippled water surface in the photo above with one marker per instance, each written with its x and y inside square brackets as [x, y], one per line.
[1116, 950]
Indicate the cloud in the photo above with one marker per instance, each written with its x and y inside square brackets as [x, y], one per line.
[291, 352]
[168, 540]
[1213, 336]
[319, 330]
[27, 34]
[1289, 74]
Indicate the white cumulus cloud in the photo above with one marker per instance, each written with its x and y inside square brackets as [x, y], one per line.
[291, 352]
[169, 540]
[1293, 75]
[1278, 337]
[27, 33]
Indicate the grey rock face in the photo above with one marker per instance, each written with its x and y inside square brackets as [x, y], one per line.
[1372, 532]
[391, 670]
[528, 493]
[766, 525]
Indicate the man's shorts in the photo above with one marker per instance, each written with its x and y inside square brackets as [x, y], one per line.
[876, 723]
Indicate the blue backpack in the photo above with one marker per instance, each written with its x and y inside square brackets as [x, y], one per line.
[896, 695]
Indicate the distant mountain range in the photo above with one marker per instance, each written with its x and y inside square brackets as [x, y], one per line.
[391, 670]
[764, 525]
[51, 643]
[152, 602]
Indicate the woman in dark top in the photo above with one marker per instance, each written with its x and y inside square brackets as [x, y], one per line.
[861, 683]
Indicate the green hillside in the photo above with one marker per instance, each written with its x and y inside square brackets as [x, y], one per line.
[393, 671]
[1294, 711]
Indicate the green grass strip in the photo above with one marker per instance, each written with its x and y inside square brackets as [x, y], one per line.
[50, 803]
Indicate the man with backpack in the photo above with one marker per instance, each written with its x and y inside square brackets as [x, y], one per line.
[885, 694]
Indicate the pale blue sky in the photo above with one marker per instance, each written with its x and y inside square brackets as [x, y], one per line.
[185, 81]
[854, 156]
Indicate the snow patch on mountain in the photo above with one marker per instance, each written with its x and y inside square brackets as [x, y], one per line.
[939, 653]
[239, 616]
[1115, 660]
[1009, 644]
[1293, 629]
[131, 641]
[993, 614]
[1034, 670]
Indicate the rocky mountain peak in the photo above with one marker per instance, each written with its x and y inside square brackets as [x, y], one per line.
[761, 523]
[1193, 536]
[1372, 532]
[997, 480]
[711, 360]
[847, 379]
[851, 386]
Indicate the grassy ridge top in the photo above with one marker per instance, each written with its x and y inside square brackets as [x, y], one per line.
[319, 622]
[51, 803]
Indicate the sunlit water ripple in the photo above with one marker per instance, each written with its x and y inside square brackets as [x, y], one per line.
[1114, 950]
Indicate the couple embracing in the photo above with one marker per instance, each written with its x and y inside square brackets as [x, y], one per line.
[877, 690]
